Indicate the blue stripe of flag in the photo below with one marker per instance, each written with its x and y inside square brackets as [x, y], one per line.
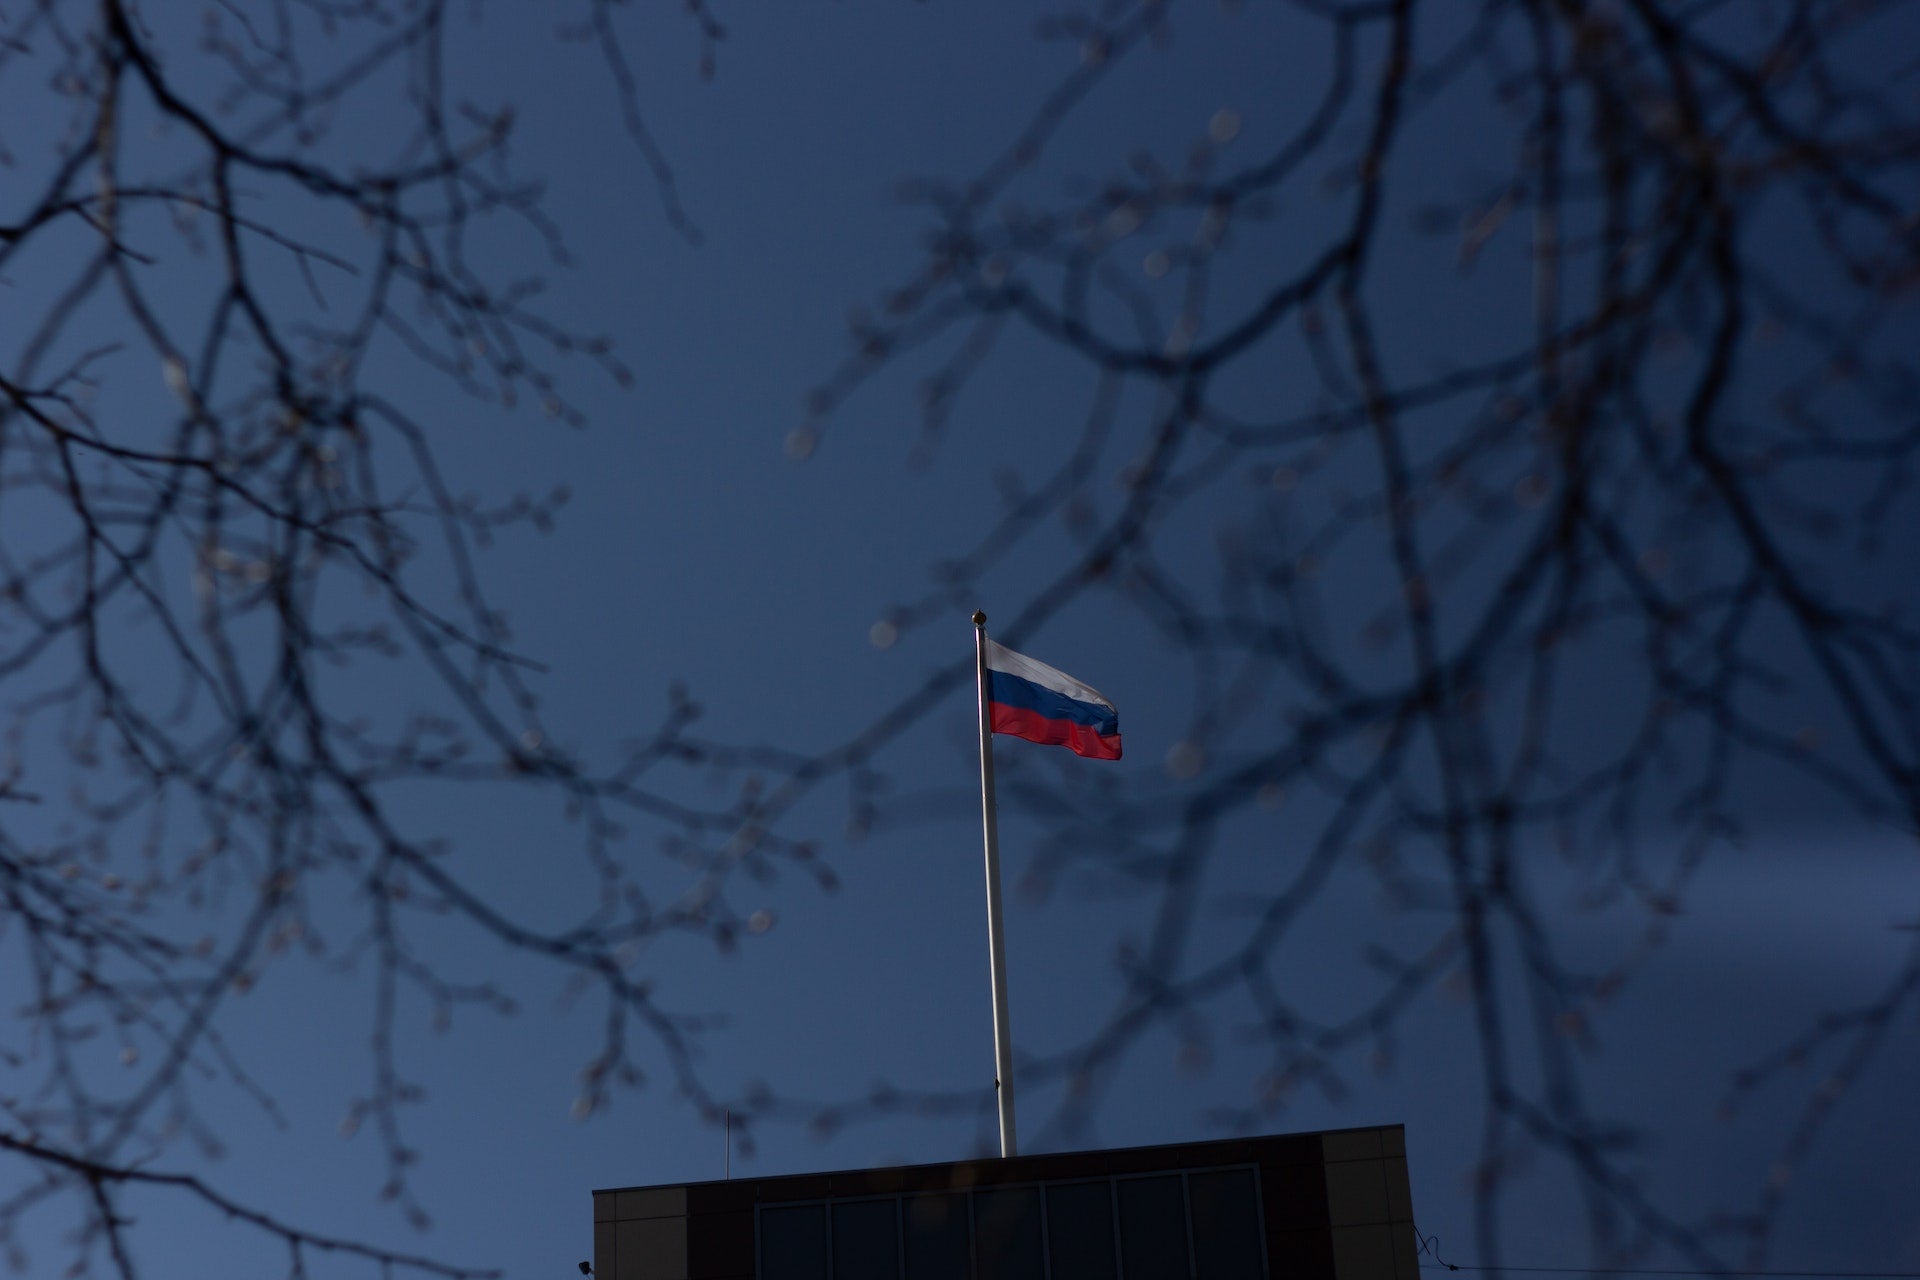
[1012, 691]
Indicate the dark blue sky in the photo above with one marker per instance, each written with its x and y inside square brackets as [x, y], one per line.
[695, 547]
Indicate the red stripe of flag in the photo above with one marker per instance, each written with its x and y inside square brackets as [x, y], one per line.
[1082, 740]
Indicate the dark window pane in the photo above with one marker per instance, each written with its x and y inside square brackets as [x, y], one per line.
[866, 1241]
[1226, 1225]
[938, 1239]
[1153, 1228]
[1006, 1233]
[1080, 1231]
[793, 1243]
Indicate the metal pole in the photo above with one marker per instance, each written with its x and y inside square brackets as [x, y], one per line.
[996, 937]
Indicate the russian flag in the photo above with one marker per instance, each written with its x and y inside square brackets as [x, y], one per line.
[1031, 700]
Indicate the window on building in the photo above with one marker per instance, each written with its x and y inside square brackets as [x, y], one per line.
[1197, 1225]
[1080, 1231]
[1006, 1233]
[1153, 1228]
[1225, 1211]
[793, 1243]
[866, 1240]
[938, 1236]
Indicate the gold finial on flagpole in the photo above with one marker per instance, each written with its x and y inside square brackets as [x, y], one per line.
[979, 617]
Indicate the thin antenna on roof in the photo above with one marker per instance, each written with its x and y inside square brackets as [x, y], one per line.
[729, 1124]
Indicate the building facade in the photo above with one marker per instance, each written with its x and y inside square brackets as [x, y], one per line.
[1311, 1206]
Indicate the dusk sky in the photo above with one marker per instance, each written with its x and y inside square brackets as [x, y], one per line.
[783, 559]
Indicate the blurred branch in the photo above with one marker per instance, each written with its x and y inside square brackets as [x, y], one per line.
[1557, 612]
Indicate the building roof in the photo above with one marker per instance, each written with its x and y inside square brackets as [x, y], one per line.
[1333, 1205]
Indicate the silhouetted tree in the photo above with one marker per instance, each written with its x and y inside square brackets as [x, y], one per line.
[1517, 447]
[1576, 592]
[215, 520]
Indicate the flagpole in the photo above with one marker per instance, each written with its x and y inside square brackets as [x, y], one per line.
[996, 936]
